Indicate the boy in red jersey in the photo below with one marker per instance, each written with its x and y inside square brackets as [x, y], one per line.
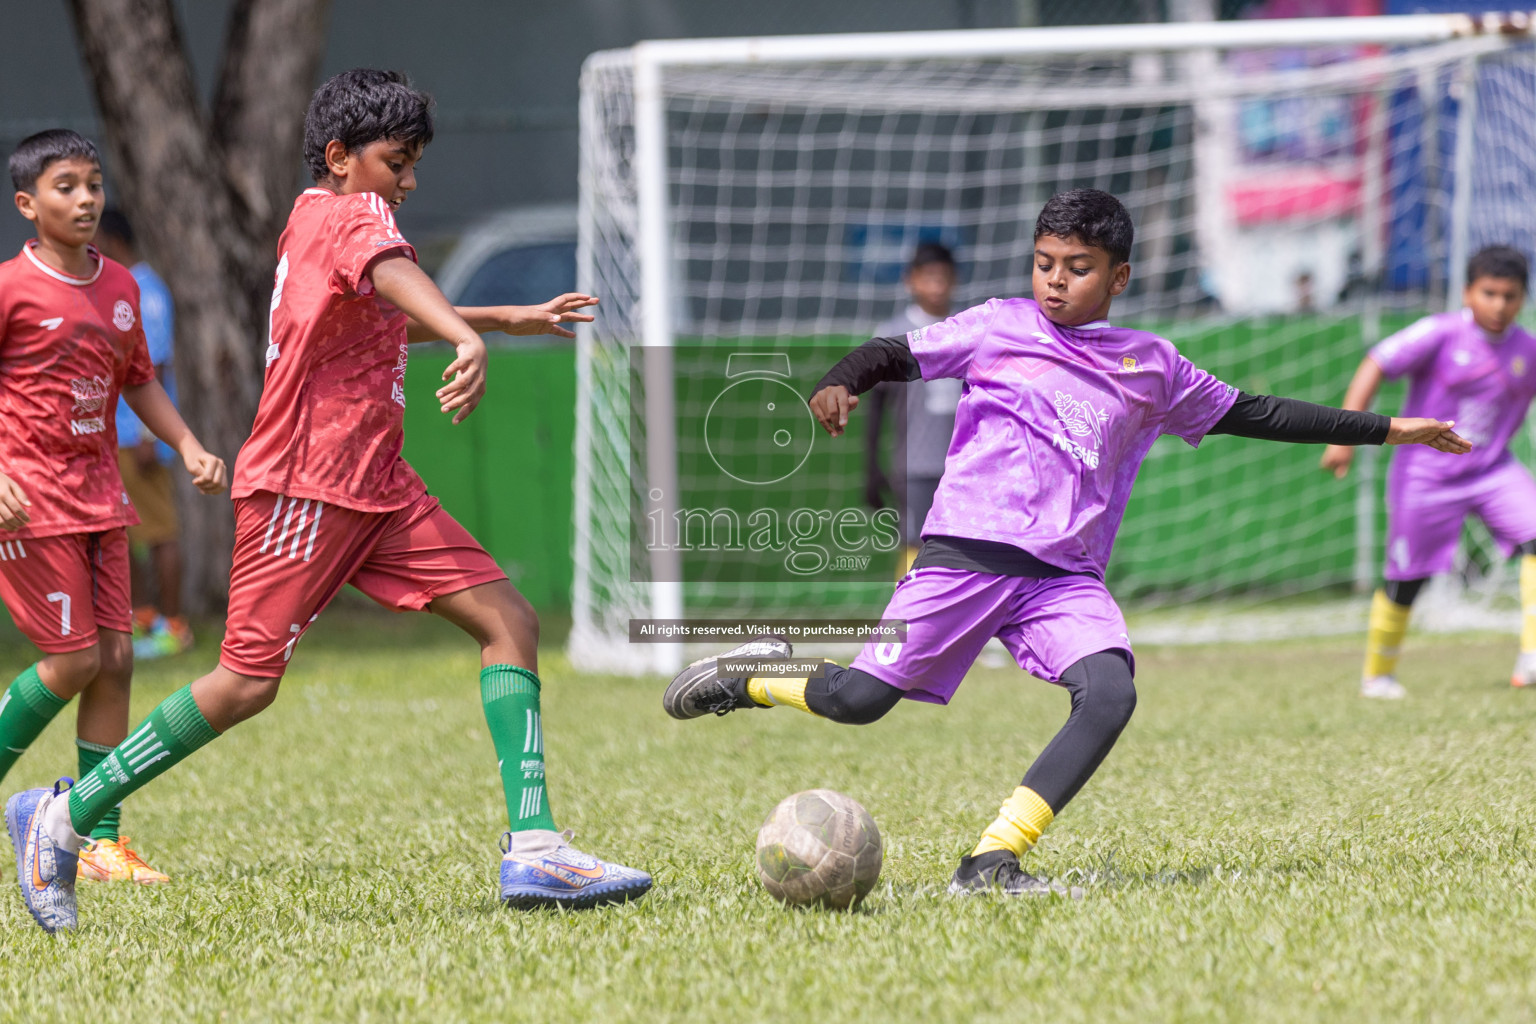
[323, 497]
[70, 341]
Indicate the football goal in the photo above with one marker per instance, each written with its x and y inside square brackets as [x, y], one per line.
[1301, 189]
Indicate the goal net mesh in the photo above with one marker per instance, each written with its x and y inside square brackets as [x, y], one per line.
[1292, 207]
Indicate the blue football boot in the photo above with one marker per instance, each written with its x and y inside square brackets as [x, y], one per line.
[44, 870]
[542, 869]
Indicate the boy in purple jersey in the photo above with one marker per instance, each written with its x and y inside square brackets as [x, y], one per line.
[1058, 410]
[1478, 366]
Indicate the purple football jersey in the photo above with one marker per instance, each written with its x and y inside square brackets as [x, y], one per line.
[1053, 424]
[1457, 371]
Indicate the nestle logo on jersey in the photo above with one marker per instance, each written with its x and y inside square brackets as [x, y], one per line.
[1080, 419]
[93, 425]
[1087, 456]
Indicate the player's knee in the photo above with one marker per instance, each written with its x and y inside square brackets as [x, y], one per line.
[250, 695]
[852, 697]
[75, 670]
[1111, 700]
[1103, 689]
[115, 654]
[499, 616]
[524, 620]
[864, 715]
[1403, 592]
[853, 712]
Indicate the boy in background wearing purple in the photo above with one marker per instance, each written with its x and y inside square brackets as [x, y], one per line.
[1058, 411]
[1477, 365]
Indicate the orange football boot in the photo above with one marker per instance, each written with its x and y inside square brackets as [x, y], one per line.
[107, 861]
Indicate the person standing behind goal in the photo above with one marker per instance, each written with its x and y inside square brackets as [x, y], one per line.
[924, 412]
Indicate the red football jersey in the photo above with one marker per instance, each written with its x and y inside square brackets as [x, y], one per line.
[68, 346]
[331, 420]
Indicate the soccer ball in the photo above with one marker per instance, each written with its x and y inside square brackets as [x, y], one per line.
[819, 848]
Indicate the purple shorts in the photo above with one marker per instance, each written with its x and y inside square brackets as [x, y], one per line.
[1046, 624]
[1425, 518]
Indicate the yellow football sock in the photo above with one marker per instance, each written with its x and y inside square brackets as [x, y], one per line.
[1384, 638]
[770, 691]
[1528, 603]
[1019, 823]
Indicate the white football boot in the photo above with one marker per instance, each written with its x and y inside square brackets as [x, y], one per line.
[1382, 688]
[1525, 671]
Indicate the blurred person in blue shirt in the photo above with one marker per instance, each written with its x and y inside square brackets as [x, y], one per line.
[158, 626]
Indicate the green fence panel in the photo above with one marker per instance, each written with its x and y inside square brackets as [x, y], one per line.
[506, 471]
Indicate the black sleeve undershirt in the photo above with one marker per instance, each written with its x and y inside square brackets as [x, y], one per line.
[878, 359]
[1271, 418]
[1267, 417]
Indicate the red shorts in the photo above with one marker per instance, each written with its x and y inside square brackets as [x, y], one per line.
[293, 555]
[60, 590]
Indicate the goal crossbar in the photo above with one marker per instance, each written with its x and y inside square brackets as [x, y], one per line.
[1381, 30]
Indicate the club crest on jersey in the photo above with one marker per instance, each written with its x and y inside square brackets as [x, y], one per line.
[1129, 364]
[1517, 366]
[122, 315]
[90, 394]
[1082, 421]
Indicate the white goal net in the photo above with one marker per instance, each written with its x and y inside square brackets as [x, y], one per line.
[1300, 190]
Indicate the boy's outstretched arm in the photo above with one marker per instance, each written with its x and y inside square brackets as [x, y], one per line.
[1271, 418]
[1359, 397]
[153, 406]
[399, 281]
[878, 359]
[545, 318]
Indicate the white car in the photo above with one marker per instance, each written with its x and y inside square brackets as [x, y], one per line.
[518, 257]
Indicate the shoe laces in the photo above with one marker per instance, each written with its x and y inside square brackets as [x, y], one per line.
[131, 856]
[1005, 872]
[998, 875]
[718, 700]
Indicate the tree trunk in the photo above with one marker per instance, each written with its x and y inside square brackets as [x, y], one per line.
[207, 202]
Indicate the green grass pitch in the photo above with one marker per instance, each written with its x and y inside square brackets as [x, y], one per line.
[1262, 846]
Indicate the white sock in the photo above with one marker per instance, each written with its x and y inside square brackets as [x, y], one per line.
[536, 842]
[57, 823]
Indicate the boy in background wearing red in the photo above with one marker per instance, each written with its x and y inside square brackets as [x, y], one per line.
[71, 341]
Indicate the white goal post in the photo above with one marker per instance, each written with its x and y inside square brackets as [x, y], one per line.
[1301, 188]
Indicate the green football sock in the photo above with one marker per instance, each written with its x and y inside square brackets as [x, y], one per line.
[511, 698]
[91, 755]
[25, 710]
[170, 733]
